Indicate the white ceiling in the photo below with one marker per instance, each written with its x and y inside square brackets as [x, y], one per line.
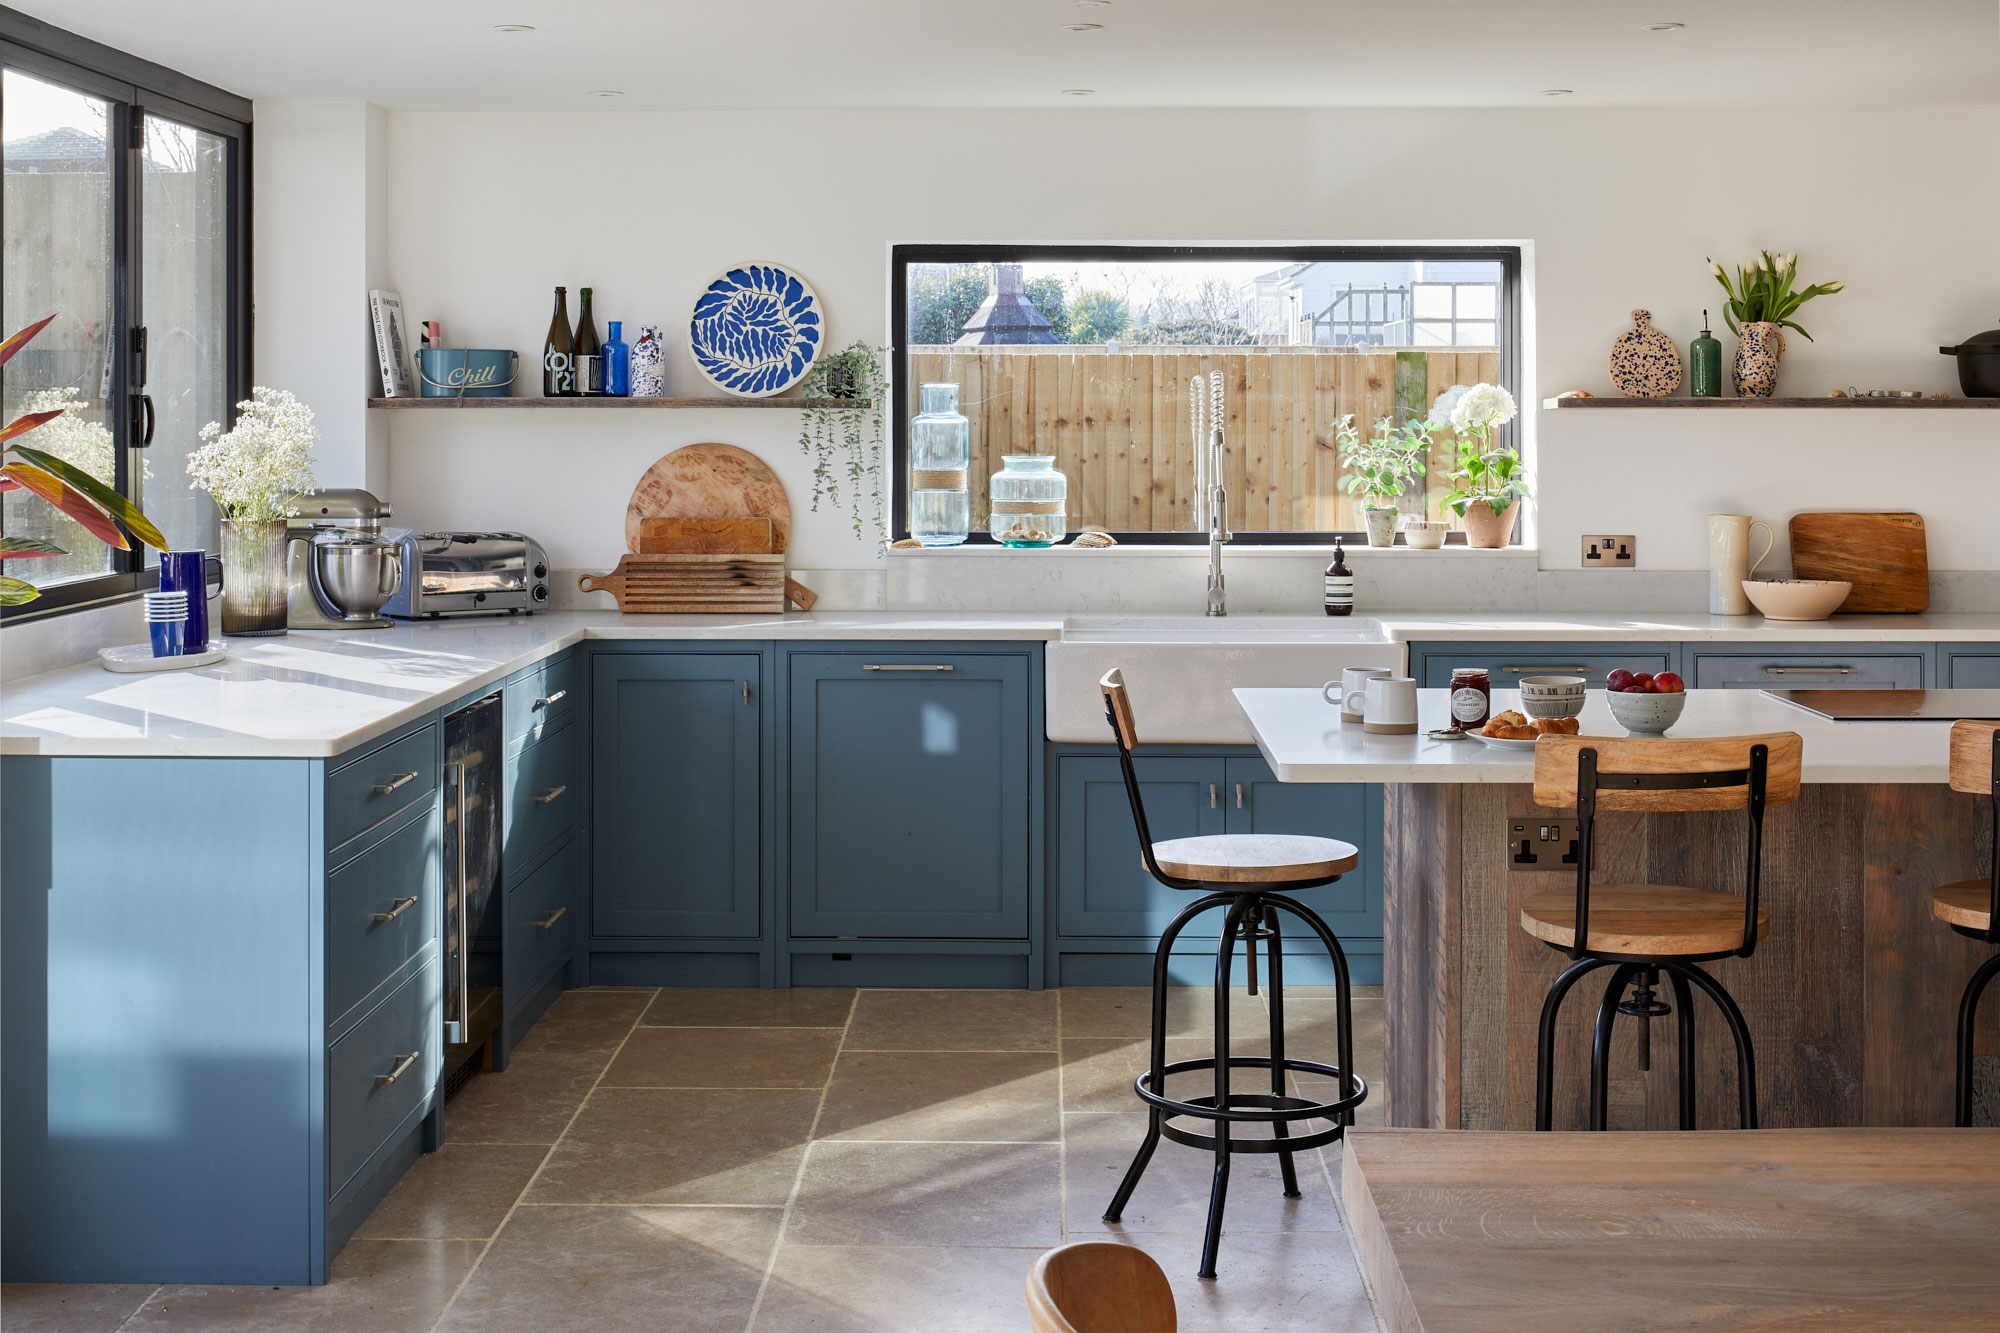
[444, 54]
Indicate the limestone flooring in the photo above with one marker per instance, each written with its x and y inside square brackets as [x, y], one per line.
[805, 1161]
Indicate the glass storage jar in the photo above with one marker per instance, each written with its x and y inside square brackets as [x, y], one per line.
[940, 454]
[1027, 500]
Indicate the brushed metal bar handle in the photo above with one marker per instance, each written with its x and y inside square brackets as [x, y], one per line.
[1214, 797]
[548, 699]
[1539, 670]
[396, 783]
[402, 905]
[456, 1030]
[895, 666]
[551, 794]
[1811, 671]
[402, 1067]
[551, 918]
[746, 690]
[1239, 796]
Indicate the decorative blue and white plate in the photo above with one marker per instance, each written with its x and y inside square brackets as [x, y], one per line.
[756, 330]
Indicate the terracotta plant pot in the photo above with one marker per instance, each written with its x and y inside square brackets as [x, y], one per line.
[1381, 525]
[1425, 534]
[1486, 530]
[1759, 349]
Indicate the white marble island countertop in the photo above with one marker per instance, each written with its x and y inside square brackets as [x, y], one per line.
[1304, 740]
[1684, 626]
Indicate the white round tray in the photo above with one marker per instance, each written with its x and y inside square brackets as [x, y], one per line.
[139, 657]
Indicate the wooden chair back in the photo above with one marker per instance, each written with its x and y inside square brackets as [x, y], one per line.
[1119, 704]
[1097, 1287]
[1972, 756]
[1556, 770]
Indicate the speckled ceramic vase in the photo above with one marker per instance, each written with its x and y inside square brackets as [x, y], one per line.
[1486, 530]
[1759, 348]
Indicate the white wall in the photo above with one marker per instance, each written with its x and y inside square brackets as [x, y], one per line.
[486, 213]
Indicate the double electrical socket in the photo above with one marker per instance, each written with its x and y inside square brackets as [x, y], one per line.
[1612, 551]
[1543, 844]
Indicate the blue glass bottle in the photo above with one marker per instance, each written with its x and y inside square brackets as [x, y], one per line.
[617, 363]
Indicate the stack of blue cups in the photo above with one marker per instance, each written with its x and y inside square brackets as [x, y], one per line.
[166, 618]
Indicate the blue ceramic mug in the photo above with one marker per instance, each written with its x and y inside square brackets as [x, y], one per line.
[182, 571]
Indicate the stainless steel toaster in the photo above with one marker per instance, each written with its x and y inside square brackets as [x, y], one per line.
[470, 573]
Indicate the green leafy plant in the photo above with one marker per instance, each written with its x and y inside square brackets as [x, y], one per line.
[845, 441]
[1486, 473]
[97, 508]
[1762, 292]
[1380, 470]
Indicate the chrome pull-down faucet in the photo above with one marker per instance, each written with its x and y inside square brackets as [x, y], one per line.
[1211, 498]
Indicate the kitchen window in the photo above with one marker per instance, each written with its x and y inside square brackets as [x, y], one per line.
[1086, 353]
[125, 214]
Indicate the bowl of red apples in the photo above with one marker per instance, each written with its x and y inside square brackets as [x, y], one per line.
[1645, 703]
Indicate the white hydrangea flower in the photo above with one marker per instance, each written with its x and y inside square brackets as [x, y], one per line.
[256, 470]
[1481, 408]
[1446, 403]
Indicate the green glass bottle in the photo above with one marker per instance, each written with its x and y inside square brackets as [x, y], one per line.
[1705, 364]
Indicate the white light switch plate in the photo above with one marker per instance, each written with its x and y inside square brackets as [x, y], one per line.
[1610, 551]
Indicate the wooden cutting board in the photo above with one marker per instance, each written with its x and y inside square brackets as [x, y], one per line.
[1882, 554]
[732, 535]
[694, 583]
[705, 481]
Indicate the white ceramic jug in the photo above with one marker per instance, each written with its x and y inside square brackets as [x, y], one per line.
[1729, 561]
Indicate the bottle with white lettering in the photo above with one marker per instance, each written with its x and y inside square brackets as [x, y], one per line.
[558, 368]
[1339, 583]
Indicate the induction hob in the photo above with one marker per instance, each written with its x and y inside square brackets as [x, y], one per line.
[1893, 705]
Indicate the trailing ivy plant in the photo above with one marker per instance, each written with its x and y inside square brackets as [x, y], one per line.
[845, 442]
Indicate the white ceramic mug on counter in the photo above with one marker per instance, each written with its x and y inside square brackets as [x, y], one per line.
[1345, 693]
[1389, 706]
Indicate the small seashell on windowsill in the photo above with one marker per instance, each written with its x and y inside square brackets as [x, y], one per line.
[908, 543]
[1091, 539]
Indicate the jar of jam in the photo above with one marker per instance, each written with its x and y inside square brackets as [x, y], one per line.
[1471, 698]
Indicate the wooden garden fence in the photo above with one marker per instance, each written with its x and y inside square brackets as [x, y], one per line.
[1117, 423]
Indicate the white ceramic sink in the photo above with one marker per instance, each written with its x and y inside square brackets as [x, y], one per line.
[1181, 669]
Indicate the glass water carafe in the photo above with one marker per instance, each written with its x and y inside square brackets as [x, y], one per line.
[940, 453]
[1028, 499]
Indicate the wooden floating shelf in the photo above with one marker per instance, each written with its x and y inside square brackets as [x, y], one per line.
[1723, 404]
[454, 404]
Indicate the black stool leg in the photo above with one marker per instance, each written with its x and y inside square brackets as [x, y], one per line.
[1746, 1060]
[1162, 956]
[1276, 999]
[1545, 1044]
[1343, 994]
[1218, 1194]
[1684, 1014]
[1600, 1046]
[1968, 1013]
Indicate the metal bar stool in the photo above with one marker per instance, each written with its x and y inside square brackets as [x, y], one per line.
[1972, 907]
[1245, 873]
[1640, 931]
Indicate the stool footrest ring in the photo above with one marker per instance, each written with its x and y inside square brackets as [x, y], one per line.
[1254, 1107]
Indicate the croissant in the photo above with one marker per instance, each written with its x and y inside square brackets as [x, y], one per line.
[1557, 726]
[1509, 726]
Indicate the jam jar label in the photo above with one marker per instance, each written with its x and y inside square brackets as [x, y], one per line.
[1468, 705]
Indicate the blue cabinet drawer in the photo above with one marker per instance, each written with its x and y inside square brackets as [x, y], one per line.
[363, 793]
[1432, 663]
[543, 698]
[541, 804]
[541, 927]
[381, 911]
[381, 1072]
[1810, 667]
[1970, 669]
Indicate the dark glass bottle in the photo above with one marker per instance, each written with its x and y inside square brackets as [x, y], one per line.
[1705, 364]
[558, 366]
[589, 352]
[1339, 583]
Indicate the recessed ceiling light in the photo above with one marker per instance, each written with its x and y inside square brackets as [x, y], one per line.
[1083, 27]
[605, 92]
[1558, 92]
[1079, 92]
[1661, 27]
[513, 27]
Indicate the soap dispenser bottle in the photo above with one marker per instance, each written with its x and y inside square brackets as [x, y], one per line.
[1705, 364]
[1339, 583]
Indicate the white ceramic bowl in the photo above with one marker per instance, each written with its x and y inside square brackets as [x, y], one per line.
[1796, 599]
[1552, 696]
[1645, 714]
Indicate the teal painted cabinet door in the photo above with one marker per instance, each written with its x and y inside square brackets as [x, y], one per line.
[909, 795]
[1349, 811]
[1104, 887]
[676, 793]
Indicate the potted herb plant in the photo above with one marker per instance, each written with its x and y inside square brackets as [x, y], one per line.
[1490, 481]
[1380, 470]
[1761, 304]
[255, 472]
[844, 439]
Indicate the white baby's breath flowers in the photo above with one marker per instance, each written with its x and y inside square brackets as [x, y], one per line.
[1481, 408]
[256, 470]
[74, 437]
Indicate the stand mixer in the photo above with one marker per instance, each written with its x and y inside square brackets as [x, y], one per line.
[341, 565]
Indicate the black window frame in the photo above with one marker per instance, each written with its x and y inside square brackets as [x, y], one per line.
[902, 256]
[137, 88]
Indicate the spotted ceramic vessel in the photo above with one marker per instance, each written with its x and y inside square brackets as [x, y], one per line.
[1759, 349]
[1644, 362]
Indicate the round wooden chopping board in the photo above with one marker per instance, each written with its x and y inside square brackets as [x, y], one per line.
[710, 481]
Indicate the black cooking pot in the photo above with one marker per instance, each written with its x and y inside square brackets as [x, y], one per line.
[1978, 364]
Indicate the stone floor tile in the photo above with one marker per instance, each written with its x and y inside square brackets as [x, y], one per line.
[725, 1058]
[953, 1020]
[741, 1006]
[460, 1192]
[585, 1020]
[929, 1194]
[1127, 1011]
[390, 1286]
[69, 1307]
[1173, 1195]
[863, 1289]
[680, 1146]
[528, 1103]
[1265, 1283]
[921, 1095]
[1098, 1072]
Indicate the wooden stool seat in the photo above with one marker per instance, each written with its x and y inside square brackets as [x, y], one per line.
[1967, 903]
[1656, 919]
[1099, 1287]
[1256, 858]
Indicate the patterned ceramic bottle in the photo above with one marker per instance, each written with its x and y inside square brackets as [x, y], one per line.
[649, 364]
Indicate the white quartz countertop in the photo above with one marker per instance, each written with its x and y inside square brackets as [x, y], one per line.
[1691, 627]
[1304, 740]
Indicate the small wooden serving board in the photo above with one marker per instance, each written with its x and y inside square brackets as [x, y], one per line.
[1882, 554]
[694, 583]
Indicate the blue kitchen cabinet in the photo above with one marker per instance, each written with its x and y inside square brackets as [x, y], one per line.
[1507, 663]
[1969, 666]
[909, 791]
[1103, 887]
[1352, 812]
[677, 777]
[1807, 666]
